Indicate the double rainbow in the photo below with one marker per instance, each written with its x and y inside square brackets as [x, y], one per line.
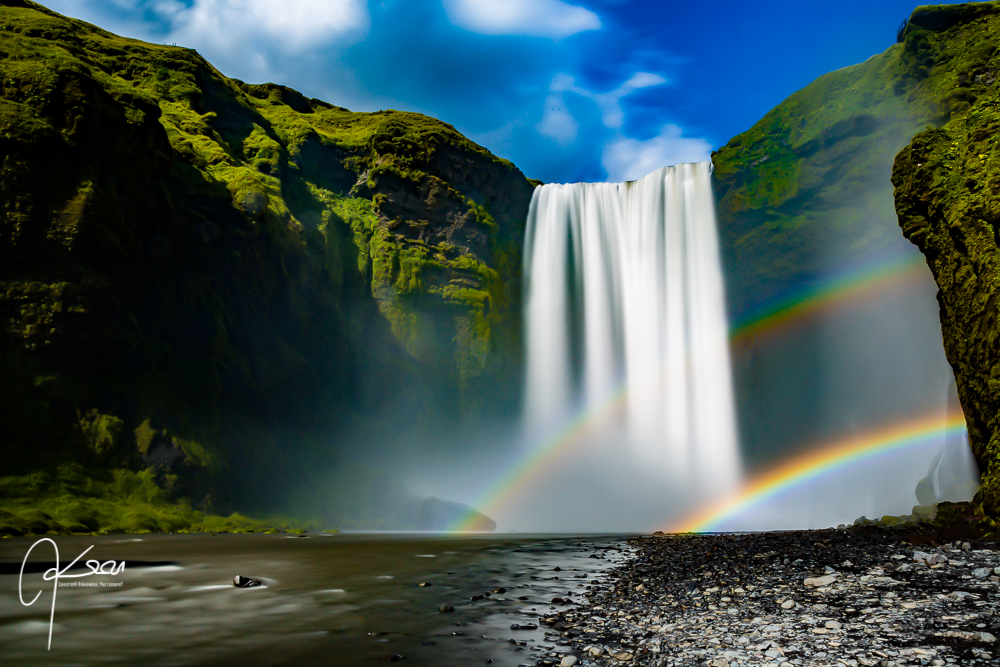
[784, 313]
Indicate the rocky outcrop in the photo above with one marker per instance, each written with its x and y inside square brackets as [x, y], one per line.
[947, 196]
[216, 281]
[436, 515]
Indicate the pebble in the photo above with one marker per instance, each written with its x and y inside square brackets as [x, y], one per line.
[446, 608]
[856, 597]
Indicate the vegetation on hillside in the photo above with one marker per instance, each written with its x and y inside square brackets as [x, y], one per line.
[807, 189]
[219, 287]
[948, 199]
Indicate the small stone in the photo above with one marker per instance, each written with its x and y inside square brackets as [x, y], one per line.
[787, 604]
[569, 661]
[640, 588]
[424, 584]
[981, 573]
[966, 546]
[246, 582]
[446, 608]
[623, 656]
[816, 582]
[834, 625]
[596, 651]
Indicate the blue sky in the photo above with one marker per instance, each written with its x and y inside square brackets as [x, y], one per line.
[586, 90]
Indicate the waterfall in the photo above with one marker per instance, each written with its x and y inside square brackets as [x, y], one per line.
[625, 300]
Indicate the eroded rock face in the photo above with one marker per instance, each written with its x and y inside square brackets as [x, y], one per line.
[948, 201]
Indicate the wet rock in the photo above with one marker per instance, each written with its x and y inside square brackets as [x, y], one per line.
[569, 661]
[446, 608]
[855, 597]
[239, 581]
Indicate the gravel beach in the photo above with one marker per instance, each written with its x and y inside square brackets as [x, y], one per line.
[822, 597]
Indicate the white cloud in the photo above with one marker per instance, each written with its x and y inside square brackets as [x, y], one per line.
[610, 103]
[628, 159]
[536, 18]
[294, 25]
[557, 122]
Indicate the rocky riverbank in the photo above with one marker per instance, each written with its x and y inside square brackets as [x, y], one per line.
[861, 596]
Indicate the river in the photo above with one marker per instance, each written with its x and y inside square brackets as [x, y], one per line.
[331, 599]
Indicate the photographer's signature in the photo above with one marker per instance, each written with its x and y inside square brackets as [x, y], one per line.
[54, 574]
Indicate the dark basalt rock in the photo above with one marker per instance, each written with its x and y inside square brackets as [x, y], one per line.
[240, 581]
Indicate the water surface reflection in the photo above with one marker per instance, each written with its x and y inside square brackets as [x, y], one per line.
[343, 599]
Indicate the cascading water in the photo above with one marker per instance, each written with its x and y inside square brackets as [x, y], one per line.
[625, 299]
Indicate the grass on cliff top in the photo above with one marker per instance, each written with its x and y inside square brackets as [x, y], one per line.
[807, 189]
[74, 500]
[37, 46]
[926, 79]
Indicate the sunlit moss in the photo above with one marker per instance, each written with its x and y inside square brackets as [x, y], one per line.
[200, 263]
[815, 171]
[947, 184]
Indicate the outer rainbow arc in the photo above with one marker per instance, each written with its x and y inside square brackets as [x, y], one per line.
[843, 289]
[814, 463]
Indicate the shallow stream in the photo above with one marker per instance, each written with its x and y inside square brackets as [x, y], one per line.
[340, 599]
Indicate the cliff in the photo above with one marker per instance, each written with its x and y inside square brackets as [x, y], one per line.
[947, 196]
[211, 289]
[805, 204]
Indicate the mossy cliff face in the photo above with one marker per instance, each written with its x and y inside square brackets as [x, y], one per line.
[212, 280]
[807, 188]
[806, 194]
[947, 196]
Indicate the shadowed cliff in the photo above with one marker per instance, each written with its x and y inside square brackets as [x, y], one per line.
[211, 290]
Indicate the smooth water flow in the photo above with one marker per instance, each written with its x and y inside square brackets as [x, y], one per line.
[625, 299]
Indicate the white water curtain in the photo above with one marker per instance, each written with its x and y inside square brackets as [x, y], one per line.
[625, 294]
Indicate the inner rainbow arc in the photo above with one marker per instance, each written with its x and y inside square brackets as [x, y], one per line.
[802, 468]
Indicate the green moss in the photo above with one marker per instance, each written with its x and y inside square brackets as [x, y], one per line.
[78, 500]
[234, 268]
[814, 172]
[948, 200]
[102, 432]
